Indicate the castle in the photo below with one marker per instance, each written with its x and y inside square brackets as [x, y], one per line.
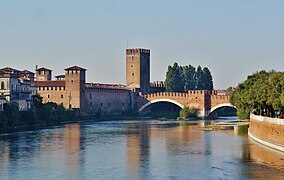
[72, 91]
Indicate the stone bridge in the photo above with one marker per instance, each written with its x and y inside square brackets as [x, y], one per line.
[205, 101]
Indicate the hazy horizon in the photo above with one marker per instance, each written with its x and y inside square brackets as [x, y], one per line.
[232, 38]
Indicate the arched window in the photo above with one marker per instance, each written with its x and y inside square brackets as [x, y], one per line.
[2, 85]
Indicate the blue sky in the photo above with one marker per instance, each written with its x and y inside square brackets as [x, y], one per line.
[233, 38]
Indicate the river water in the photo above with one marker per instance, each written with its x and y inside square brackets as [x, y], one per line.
[135, 150]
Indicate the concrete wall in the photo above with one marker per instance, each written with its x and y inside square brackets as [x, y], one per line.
[267, 131]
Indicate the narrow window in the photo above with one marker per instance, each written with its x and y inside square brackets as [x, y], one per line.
[132, 74]
[101, 104]
[48, 96]
[90, 96]
[109, 105]
[2, 85]
[61, 96]
[91, 104]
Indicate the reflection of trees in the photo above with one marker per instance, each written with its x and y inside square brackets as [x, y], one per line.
[54, 146]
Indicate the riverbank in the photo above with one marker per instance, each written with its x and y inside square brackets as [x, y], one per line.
[267, 131]
[81, 119]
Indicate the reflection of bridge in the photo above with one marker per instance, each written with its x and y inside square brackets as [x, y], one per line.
[205, 101]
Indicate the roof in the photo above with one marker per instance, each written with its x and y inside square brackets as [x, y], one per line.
[43, 69]
[26, 72]
[105, 86]
[57, 83]
[60, 76]
[10, 70]
[75, 68]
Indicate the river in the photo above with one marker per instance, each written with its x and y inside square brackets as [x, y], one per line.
[145, 149]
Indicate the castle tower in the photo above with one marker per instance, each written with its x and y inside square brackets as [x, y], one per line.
[43, 74]
[138, 69]
[75, 78]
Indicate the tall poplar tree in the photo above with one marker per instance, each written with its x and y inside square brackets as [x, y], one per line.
[199, 81]
[184, 78]
[188, 77]
[207, 79]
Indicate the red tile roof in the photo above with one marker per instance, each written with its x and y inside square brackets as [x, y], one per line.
[49, 83]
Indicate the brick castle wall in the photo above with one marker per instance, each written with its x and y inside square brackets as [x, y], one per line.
[108, 100]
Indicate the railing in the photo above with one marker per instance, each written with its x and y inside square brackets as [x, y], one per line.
[267, 119]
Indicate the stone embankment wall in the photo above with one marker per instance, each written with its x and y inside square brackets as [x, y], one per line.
[267, 131]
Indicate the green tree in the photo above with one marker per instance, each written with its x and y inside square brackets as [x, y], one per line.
[188, 77]
[207, 79]
[12, 114]
[199, 79]
[262, 92]
[188, 113]
[174, 81]
[184, 78]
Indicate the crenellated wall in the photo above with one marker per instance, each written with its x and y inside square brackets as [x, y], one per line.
[203, 100]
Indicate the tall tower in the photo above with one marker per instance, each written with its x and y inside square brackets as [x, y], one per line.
[138, 69]
[75, 78]
[43, 74]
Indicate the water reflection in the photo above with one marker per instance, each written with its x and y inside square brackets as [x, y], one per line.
[138, 146]
[264, 159]
[135, 150]
[72, 147]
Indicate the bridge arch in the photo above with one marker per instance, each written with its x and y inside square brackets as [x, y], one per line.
[221, 105]
[160, 100]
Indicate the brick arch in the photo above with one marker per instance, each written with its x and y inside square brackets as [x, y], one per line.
[160, 100]
[221, 105]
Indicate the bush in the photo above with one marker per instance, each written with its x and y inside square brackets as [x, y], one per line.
[188, 112]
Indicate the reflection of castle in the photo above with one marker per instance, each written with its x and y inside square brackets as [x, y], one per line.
[72, 91]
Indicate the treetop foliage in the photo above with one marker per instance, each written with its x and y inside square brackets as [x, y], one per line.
[184, 78]
[262, 92]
